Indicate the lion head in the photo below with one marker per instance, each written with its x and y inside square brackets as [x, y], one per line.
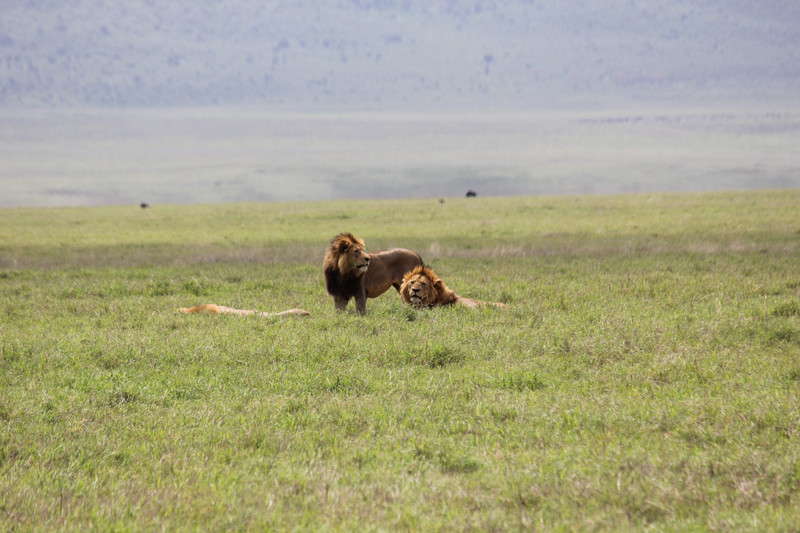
[346, 255]
[423, 288]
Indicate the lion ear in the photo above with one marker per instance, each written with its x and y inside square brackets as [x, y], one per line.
[343, 247]
[438, 284]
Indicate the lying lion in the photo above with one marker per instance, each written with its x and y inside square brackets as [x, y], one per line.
[220, 309]
[423, 288]
[351, 272]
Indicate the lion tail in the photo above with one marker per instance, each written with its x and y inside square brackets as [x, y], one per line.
[220, 309]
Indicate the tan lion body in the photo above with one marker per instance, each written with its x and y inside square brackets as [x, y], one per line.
[351, 272]
[220, 309]
[421, 287]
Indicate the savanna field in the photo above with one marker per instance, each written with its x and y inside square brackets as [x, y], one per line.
[646, 374]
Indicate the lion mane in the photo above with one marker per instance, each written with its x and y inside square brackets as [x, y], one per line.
[421, 288]
[351, 272]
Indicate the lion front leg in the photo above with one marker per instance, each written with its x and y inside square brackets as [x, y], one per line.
[361, 301]
[340, 303]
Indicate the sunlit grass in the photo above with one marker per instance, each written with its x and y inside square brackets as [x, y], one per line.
[646, 373]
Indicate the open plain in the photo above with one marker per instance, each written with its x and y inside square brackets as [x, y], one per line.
[106, 157]
[646, 373]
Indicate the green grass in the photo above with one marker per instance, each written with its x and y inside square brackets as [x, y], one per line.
[646, 374]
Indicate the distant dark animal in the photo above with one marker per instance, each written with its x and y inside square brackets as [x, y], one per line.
[441, 200]
[471, 194]
[351, 272]
[144, 205]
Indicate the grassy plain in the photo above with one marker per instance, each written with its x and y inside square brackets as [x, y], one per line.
[646, 374]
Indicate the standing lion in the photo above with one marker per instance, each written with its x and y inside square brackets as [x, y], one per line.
[351, 272]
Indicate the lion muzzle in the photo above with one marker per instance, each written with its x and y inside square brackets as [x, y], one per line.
[414, 296]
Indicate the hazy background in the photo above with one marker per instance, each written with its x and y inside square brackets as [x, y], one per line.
[204, 101]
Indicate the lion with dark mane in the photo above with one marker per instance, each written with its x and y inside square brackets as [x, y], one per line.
[351, 272]
[421, 287]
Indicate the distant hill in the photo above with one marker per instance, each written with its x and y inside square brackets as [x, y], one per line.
[395, 54]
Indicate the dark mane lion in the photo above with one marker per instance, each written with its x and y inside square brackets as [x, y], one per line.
[421, 287]
[351, 272]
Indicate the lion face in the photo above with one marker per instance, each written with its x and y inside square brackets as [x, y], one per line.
[419, 290]
[357, 259]
[351, 255]
[420, 287]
